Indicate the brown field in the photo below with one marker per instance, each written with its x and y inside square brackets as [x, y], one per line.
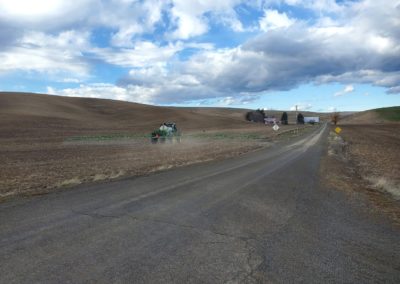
[49, 142]
[365, 158]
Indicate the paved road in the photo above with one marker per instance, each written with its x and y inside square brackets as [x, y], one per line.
[259, 218]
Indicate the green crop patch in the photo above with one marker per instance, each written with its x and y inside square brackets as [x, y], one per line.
[106, 137]
[389, 113]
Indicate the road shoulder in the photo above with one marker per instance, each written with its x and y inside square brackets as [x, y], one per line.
[341, 171]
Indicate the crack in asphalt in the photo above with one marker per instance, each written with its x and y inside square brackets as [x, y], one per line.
[95, 215]
[153, 220]
[251, 266]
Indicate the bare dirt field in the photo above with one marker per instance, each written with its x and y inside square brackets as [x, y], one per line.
[365, 158]
[49, 142]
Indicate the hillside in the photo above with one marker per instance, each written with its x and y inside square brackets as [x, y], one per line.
[46, 117]
[374, 116]
[389, 113]
[38, 116]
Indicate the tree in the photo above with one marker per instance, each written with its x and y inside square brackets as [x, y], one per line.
[300, 119]
[260, 110]
[255, 116]
[284, 118]
[248, 116]
[335, 117]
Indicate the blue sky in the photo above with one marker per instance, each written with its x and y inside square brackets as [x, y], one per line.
[321, 55]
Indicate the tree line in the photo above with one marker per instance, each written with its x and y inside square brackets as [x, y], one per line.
[259, 115]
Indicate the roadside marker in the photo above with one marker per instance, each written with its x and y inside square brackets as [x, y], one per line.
[338, 130]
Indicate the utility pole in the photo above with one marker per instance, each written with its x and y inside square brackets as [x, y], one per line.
[296, 115]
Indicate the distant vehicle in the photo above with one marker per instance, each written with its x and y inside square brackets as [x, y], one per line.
[311, 119]
[167, 132]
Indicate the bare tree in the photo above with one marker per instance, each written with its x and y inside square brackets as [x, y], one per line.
[335, 117]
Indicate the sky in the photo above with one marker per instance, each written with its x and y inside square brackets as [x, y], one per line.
[321, 55]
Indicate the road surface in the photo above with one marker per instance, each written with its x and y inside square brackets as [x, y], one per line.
[259, 218]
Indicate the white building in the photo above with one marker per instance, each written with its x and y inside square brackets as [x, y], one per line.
[311, 119]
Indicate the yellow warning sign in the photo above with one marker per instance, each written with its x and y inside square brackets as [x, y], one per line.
[338, 130]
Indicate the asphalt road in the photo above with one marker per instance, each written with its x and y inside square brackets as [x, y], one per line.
[259, 218]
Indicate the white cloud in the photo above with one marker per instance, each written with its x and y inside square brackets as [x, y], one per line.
[143, 54]
[40, 52]
[320, 6]
[37, 14]
[273, 19]
[355, 42]
[70, 80]
[242, 99]
[190, 19]
[228, 101]
[123, 38]
[347, 89]
[333, 51]
[104, 91]
[29, 8]
[128, 18]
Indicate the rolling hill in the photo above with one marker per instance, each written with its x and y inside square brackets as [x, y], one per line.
[39, 116]
[373, 116]
[48, 142]
[36, 116]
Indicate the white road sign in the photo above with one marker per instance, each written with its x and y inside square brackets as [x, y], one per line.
[275, 127]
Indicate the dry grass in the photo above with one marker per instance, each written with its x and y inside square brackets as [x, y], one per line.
[364, 159]
[386, 185]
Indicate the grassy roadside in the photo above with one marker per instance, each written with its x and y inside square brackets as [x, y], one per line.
[353, 165]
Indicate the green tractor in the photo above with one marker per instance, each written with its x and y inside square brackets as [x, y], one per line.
[166, 133]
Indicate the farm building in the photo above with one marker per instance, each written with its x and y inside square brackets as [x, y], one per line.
[311, 119]
[271, 120]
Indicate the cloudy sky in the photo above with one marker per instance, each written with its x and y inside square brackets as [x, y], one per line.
[318, 54]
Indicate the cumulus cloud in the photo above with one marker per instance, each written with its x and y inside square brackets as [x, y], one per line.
[354, 52]
[127, 18]
[190, 16]
[320, 6]
[243, 99]
[37, 14]
[37, 51]
[273, 19]
[346, 90]
[355, 42]
[104, 91]
[142, 54]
